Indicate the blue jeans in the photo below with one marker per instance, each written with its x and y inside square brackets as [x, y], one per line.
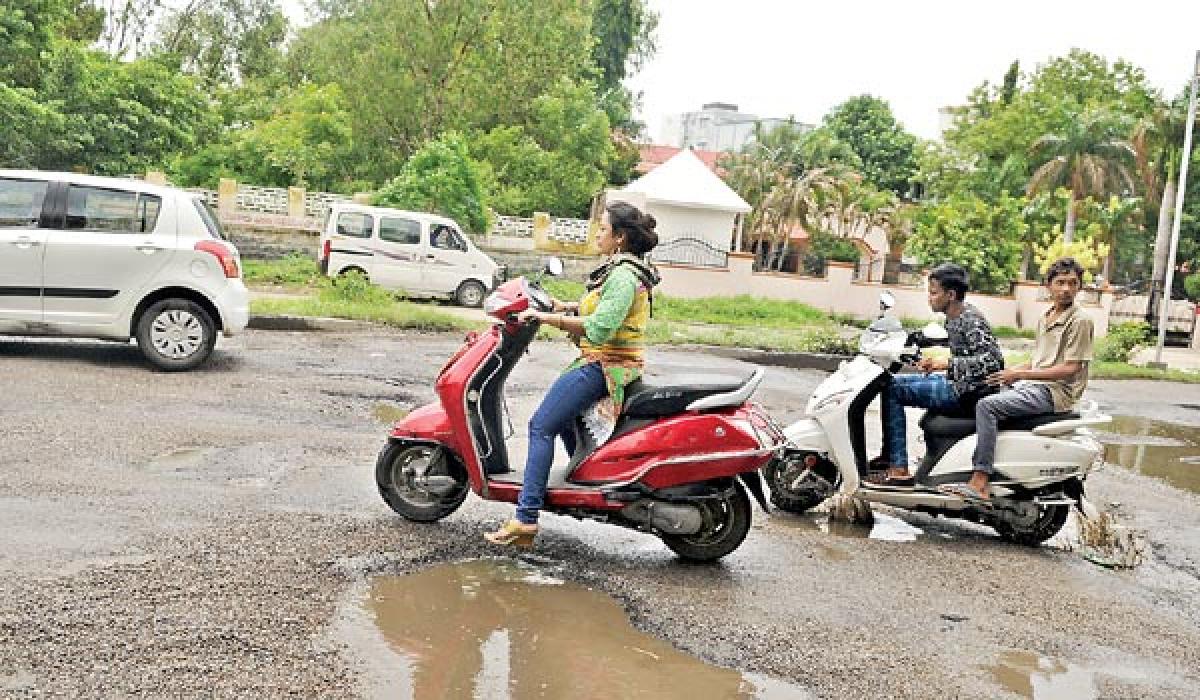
[919, 390]
[568, 397]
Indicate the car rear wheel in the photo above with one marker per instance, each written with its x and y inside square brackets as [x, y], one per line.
[176, 334]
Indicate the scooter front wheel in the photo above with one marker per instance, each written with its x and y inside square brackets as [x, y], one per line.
[726, 523]
[423, 483]
[795, 487]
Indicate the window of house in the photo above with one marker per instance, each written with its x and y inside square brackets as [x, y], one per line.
[396, 230]
[110, 211]
[355, 224]
[21, 202]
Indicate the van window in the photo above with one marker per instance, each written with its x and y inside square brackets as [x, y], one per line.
[446, 238]
[21, 202]
[403, 231]
[355, 224]
[110, 211]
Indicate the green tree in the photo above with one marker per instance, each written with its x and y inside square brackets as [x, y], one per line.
[1157, 143]
[888, 152]
[1114, 221]
[27, 29]
[993, 133]
[442, 178]
[462, 65]
[225, 41]
[23, 121]
[119, 117]
[1087, 157]
[556, 162]
[983, 237]
[304, 139]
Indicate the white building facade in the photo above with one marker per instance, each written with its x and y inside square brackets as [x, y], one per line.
[718, 126]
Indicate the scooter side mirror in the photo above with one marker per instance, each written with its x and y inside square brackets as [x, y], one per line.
[886, 300]
[553, 267]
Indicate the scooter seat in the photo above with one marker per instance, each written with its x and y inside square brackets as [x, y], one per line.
[955, 425]
[665, 396]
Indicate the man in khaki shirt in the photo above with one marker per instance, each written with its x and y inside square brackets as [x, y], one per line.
[1052, 382]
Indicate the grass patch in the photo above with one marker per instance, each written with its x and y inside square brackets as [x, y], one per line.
[397, 314]
[740, 311]
[1010, 332]
[819, 340]
[295, 270]
[1120, 370]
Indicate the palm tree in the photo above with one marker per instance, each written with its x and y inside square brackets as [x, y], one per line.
[1158, 148]
[798, 200]
[1116, 218]
[1086, 158]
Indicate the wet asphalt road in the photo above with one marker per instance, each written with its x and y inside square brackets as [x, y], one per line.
[198, 535]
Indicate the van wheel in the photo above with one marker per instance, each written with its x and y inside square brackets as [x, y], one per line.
[176, 334]
[351, 271]
[470, 293]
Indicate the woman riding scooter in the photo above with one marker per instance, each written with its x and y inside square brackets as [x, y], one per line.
[609, 331]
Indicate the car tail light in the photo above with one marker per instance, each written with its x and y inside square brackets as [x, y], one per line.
[325, 249]
[224, 255]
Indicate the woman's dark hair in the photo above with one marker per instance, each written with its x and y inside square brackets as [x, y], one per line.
[635, 226]
[952, 277]
[1064, 266]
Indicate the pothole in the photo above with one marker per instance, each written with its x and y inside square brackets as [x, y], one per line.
[503, 629]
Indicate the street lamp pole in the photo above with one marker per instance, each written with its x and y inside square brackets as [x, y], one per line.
[1179, 195]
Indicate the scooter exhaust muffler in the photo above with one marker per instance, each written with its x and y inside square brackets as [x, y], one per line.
[670, 518]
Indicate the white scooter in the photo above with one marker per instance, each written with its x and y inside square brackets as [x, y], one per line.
[1041, 461]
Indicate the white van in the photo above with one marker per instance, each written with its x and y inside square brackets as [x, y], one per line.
[424, 255]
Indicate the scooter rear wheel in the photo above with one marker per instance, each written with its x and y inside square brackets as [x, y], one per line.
[727, 521]
[401, 473]
[1031, 533]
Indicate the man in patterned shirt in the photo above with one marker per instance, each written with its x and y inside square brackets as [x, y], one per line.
[974, 355]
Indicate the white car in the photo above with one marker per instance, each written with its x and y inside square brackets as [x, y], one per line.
[423, 255]
[99, 257]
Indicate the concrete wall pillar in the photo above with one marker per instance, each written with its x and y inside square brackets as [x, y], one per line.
[295, 200]
[227, 196]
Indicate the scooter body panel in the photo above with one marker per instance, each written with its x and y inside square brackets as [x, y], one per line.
[1022, 457]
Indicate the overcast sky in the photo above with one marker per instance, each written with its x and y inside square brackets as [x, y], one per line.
[780, 58]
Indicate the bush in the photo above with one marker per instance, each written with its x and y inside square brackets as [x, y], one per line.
[353, 287]
[1191, 284]
[294, 270]
[1121, 340]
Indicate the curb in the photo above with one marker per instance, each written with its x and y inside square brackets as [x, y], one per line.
[771, 358]
[280, 322]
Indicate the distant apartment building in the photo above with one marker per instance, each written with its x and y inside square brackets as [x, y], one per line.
[718, 126]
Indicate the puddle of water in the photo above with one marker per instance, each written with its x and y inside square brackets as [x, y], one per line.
[497, 629]
[886, 527]
[388, 413]
[179, 459]
[1040, 677]
[1165, 450]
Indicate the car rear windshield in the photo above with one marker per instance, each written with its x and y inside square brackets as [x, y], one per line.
[209, 218]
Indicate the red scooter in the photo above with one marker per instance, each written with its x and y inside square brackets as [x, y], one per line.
[678, 463]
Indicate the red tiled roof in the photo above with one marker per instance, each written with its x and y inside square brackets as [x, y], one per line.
[654, 156]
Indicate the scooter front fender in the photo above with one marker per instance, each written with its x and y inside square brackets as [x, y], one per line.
[807, 434]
